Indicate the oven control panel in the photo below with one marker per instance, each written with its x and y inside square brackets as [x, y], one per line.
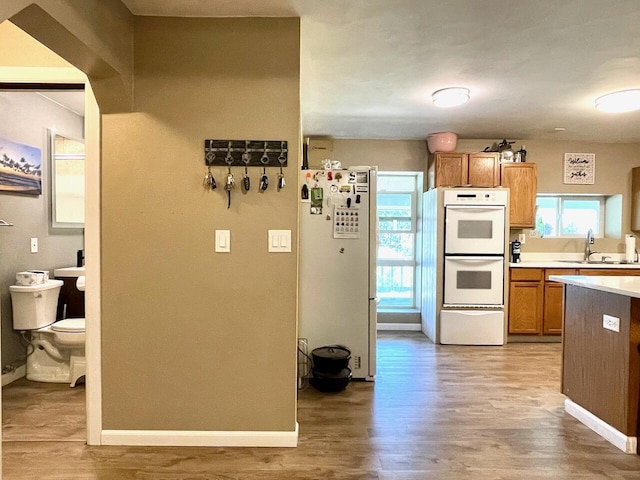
[459, 196]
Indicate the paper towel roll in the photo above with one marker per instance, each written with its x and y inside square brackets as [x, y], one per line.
[629, 248]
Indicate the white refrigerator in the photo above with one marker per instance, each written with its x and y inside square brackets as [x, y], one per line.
[337, 287]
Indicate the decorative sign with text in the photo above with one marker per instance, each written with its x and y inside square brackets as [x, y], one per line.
[580, 168]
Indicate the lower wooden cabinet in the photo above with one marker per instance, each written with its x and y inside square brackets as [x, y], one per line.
[553, 293]
[525, 307]
[535, 303]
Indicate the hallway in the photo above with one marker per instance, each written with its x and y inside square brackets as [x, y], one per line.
[441, 412]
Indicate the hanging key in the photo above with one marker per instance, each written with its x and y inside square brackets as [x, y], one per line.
[246, 181]
[264, 180]
[209, 182]
[246, 158]
[229, 186]
[281, 159]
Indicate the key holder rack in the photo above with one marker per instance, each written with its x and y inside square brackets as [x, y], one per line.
[245, 153]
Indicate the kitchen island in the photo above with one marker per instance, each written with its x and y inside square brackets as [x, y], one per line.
[600, 357]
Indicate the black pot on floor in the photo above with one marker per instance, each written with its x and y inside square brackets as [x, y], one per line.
[330, 382]
[331, 358]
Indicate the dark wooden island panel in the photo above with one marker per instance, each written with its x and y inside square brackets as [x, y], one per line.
[601, 368]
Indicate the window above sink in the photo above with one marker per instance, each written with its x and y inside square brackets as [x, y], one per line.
[571, 216]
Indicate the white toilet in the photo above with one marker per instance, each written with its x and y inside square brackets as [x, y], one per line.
[58, 347]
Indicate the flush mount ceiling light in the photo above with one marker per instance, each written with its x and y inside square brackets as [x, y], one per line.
[619, 102]
[450, 97]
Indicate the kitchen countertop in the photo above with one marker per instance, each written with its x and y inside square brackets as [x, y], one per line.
[572, 264]
[629, 286]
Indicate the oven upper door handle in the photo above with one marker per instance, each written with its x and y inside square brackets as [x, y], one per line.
[497, 258]
[489, 208]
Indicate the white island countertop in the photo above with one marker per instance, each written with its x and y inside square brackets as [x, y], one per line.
[573, 264]
[629, 286]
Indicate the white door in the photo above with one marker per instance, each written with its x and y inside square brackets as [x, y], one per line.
[474, 281]
[474, 229]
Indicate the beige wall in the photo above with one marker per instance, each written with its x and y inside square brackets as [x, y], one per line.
[387, 155]
[19, 49]
[613, 176]
[193, 339]
[96, 36]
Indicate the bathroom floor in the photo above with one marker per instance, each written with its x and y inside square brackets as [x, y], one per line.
[37, 411]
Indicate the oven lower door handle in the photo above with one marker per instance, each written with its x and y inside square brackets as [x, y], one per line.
[497, 258]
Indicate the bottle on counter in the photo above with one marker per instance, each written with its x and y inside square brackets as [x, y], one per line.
[515, 251]
[522, 153]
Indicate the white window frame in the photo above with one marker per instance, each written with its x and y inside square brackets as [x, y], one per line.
[563, 198]
[54, 156]
[415, 216]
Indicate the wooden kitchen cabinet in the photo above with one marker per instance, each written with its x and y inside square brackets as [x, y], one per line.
[449, 169]
[553, 298]
[526, 292]
[552, 314]
[484, 169]
[522, 180]
[457, 169]
[635, 198]
[536, 303]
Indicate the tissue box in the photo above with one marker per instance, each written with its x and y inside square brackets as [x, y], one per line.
[45, 274]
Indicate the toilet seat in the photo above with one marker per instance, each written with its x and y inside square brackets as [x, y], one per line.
[69, 325]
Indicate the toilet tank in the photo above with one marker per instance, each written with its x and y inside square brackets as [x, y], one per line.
[34, 306]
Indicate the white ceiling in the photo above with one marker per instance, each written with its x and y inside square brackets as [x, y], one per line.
[368, 67]
[71, 100]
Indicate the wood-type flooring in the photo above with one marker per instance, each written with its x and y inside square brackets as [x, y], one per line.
[434, 412]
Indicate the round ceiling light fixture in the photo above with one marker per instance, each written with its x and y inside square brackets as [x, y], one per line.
[450, 97]
[619, 102]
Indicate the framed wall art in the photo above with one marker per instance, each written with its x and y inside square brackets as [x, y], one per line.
[20, 168]
[580, 168]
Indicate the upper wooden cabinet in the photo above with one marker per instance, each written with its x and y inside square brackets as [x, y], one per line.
[522, 180]
[456, 169]
[484, 169]
[635, 199]
[450, 169]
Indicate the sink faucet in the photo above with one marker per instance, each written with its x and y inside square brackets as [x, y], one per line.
[590, 240]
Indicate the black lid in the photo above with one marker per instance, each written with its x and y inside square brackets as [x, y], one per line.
[333, 352]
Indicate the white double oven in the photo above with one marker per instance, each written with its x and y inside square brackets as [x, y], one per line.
[474, 266]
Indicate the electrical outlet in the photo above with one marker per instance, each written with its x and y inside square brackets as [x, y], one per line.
[34, 245]
[533, 233]
[522, 238]
[611, 323]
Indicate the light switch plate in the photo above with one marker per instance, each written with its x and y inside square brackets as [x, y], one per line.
[223, 241]
[279, 241]
[522, 238]
[34, 245]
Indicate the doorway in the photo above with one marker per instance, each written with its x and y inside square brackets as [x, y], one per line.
[59, 72]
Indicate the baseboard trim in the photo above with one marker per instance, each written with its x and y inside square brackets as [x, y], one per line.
[609, 433]
[184, 438]
[19, 372]
[416, 327]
